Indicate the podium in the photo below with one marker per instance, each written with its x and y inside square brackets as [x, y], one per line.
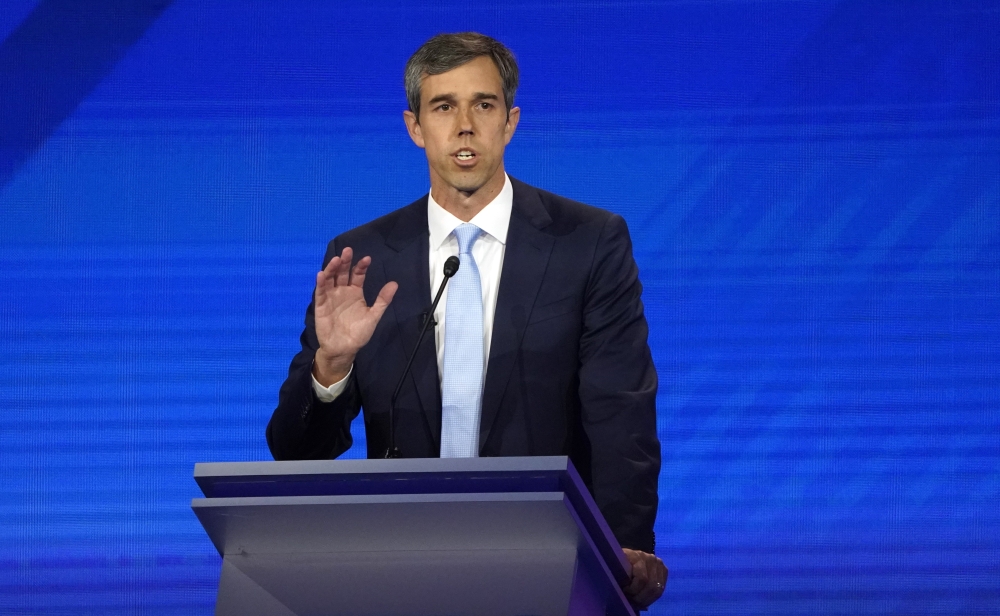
[409, 537]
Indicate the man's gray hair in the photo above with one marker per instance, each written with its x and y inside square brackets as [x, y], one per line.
[445, 52]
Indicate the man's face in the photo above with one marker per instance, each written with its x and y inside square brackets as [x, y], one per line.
[463, 126]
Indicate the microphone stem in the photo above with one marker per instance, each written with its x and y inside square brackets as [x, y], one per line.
[393, 451]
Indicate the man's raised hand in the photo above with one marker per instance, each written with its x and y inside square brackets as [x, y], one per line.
[344, 321]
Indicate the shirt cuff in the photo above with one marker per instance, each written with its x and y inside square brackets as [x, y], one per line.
[329, 394]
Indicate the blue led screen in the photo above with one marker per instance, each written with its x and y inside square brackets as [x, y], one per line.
[813, 190]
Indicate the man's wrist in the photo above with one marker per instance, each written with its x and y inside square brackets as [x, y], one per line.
[328, 370]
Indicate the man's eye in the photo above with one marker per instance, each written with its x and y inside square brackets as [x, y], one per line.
[444, 107]
[485, 105]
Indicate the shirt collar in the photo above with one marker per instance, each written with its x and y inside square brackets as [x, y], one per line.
[493, 219]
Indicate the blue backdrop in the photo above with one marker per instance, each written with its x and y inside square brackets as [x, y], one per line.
[813, 189]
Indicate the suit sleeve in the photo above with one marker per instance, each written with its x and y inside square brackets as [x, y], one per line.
[302, 427]
[618, 392]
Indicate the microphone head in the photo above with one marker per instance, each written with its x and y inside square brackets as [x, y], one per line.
[451, 266]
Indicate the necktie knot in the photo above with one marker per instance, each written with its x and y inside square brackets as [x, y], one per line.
[466, 234]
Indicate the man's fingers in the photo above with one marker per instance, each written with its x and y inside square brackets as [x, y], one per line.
[647, 595]
[639, 578]
[322, 282]
[649, 577]
[332, 265]
[655, 583]
[384, 298]
[358, 275]
[661, 584]
[343, 271]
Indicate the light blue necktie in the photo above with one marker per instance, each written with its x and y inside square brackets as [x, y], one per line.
[462, 385]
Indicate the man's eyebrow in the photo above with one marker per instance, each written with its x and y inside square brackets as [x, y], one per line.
[451, 97]
[448, 97]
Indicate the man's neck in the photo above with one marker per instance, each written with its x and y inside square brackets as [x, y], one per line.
[465, 206]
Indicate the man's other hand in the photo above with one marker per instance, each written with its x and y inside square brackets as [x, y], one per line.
[344, 322]
[649, 578]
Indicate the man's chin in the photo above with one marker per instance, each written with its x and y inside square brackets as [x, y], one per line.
[468, 182]
[468, 191]
[467, 186]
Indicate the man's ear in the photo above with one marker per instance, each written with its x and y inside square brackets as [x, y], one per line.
[413, 127]
[512, 119]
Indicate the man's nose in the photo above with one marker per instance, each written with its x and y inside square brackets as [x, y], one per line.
[465, 122]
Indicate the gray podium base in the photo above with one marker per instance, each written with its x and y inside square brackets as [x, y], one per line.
[503, 554]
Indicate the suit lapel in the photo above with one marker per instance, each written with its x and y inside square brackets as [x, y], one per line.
[525, 259]
[408, 267]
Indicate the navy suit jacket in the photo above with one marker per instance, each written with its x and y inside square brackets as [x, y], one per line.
[569, 371]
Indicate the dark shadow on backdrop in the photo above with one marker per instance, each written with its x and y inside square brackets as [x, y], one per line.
[54, 59]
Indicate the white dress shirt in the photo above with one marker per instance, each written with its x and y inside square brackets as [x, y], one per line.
[488, 251]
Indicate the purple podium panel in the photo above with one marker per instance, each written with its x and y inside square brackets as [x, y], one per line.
[503, 536]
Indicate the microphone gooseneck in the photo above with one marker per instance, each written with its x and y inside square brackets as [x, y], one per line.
[450, 268]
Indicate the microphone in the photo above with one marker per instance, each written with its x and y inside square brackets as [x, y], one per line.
[450, 267]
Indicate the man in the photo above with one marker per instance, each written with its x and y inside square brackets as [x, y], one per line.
[540, 343]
